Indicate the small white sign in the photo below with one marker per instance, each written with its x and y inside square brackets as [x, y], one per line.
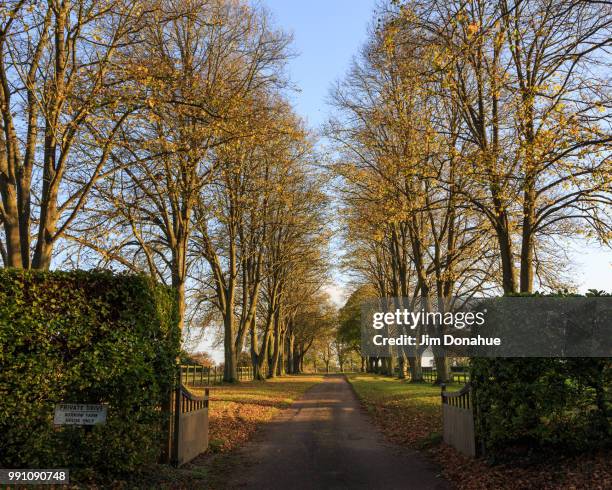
[79, 414]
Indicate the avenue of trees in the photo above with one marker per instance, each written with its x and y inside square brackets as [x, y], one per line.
[155, 136]
[474, 140]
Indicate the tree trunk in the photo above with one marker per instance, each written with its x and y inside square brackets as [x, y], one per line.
[48, 206]
[178, 280]
[257, 361]
[385, 365]
[230, 372]
[46, 230]
[526, 280]
[441, 363]
[280, 365]
[11, 231]
[276, 353]
[390, 366]
[297, 363]
[269, 353]
[257, 356]
[416, 371]
[507, 261]
[9, 194]
[371, 366]
[401, 372]
[290, 352]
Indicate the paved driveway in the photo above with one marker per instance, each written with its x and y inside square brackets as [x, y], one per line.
[326, 441]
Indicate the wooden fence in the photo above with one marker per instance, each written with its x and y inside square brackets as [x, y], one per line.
[196, 376]
[458, 420]
[430, 375]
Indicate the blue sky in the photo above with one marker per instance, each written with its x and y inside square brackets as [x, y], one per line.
[327, 34]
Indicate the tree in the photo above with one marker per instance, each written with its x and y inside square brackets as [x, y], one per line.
[315, 319]
[527, 80]
[295, 265]
[197, 103]
[349, 321]
[470, 123]
[421, 243]
[203, 359]
[64, 98]
[244, 226]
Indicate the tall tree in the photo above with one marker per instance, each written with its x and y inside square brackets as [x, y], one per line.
[236, 216]
[199, 66]
[62, 87]
[528, 80]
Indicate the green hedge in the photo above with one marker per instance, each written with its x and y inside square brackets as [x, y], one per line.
[542, 404]
[84, 337]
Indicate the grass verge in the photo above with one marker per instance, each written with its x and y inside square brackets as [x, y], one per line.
[407, 413]
[411, 414]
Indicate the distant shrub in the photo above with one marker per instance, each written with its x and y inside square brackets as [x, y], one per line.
[561, 404]
[84, 337]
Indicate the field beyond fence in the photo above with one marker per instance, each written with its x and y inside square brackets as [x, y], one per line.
[194, 375]
[430, 374]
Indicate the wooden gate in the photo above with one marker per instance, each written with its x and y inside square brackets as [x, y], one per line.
[188, 434]
[458, 420]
